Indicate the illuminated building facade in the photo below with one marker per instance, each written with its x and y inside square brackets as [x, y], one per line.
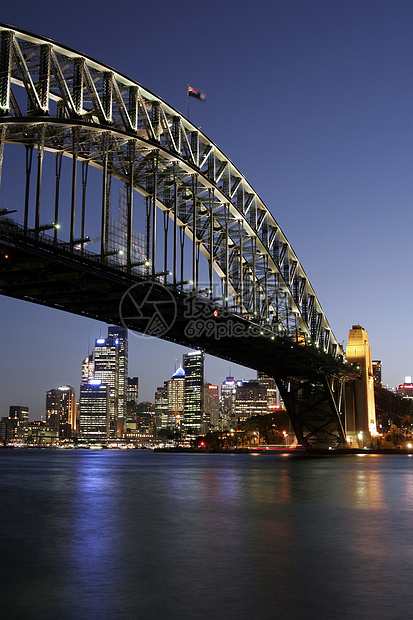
[94, 421]
[15, 427]
[61, 410]
[211, 419]
[228, 392]
[250, 400]
[405, 390]
[110, 365]
[360, 406]
[161, 406]
[120, 337]
[132, 400]
[193, 364]
[377, 371]
[176, 398]
[272, 392]
[88, 368]
[133, 390]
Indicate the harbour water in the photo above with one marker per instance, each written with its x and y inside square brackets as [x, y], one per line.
[116, 534]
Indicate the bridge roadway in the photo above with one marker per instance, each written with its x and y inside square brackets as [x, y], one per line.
[38, 270]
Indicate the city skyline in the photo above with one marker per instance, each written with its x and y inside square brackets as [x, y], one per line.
[317, 115]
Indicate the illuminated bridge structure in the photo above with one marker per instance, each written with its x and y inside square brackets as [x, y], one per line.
[105, 189]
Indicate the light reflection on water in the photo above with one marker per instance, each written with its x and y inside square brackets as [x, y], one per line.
[137, 534]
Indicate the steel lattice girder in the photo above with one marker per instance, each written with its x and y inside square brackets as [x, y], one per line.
[85, 109]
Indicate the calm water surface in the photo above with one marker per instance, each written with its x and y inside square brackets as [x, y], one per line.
[137, 534]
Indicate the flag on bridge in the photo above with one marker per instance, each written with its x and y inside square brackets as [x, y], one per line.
[195, 93]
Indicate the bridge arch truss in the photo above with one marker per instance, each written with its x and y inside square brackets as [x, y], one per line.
[53, 99]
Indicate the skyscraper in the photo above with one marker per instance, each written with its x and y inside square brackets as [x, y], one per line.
[61, 410]
[211, 408]
[110, 365]
[120, 336]
[228, 391]
[94, 410]
[193, 364]
[176, 398]
[250, 400]
[161, 406]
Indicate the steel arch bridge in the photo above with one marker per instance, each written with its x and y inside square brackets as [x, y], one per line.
[188, 221]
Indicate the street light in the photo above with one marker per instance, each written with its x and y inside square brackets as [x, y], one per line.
[360, 438]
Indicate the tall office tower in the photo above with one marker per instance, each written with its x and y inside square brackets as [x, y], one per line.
[176, 398]
[377, 372]
[211, 419]
[193, 364]
[18, 420]
[120, 336]
[272, 392]
[132, 399]
[94, 410]
[250, 400]
[161, 406]
[228, 391]
[61, 410]
[110, 360]
[88, 368]
[133, 390]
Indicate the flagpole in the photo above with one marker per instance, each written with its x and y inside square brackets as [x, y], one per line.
[187, 101]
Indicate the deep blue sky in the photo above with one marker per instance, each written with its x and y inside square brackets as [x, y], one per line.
[313, 102]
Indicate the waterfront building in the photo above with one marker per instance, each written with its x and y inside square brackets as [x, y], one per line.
[8, 428]
[110, 365]
[176, 398]
[272, 392]
[120, 336]
[405, 390]
[61, 410]
[250, 400]
[193, 364]
[228, 392]
[133, 390]
[88, 368]
[161, 406]
[17, 412]
[132, 399]
[145, 418]
[211, 419]
[94, 420]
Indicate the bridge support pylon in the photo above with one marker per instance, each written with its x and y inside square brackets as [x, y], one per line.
[313, 405]
[360, 420]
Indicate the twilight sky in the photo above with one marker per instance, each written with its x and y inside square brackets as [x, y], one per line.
[312, 100]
